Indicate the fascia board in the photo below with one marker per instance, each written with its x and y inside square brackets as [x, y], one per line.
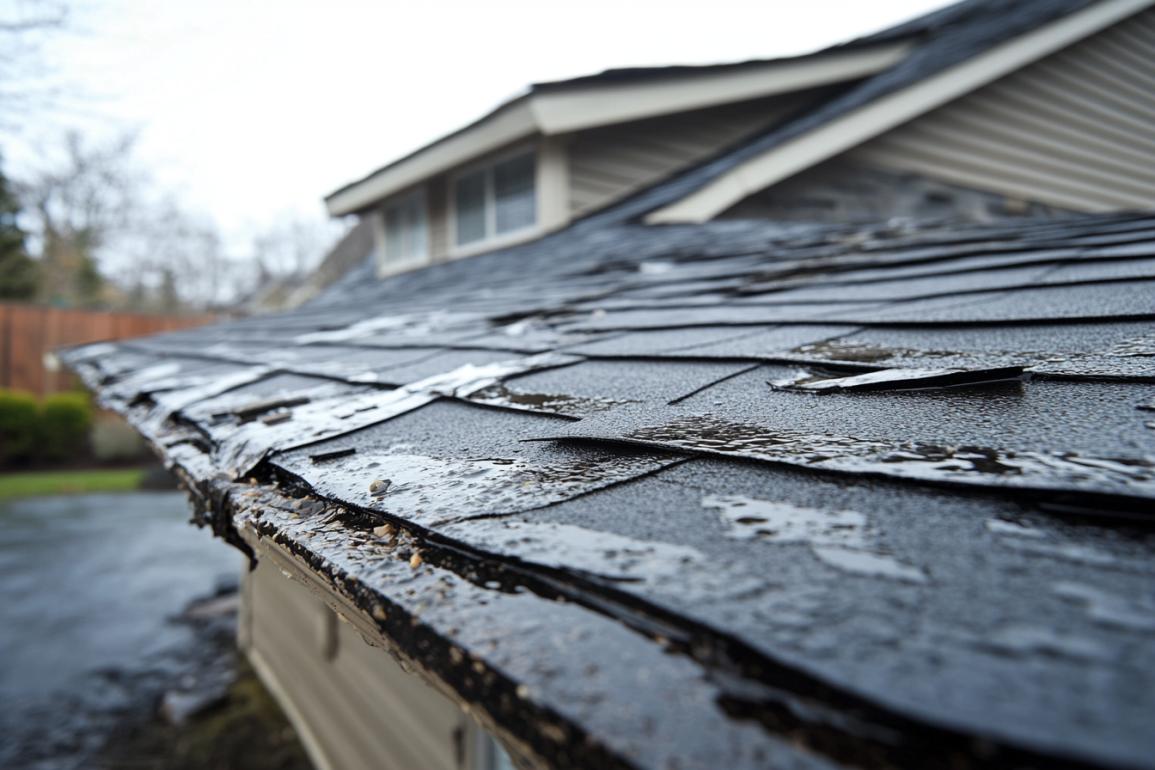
[508, 124]
[576, 109]
[889, 111]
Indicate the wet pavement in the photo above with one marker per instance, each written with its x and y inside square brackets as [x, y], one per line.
[89, 634]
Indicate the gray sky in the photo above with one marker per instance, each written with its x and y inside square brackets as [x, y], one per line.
[252, 109]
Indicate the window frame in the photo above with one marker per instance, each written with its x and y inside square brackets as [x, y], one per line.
[492, 240]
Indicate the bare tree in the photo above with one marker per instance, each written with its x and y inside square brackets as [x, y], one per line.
[285, 254]
[292, 246]
[78, 205]
[174, 260]
[104, 237]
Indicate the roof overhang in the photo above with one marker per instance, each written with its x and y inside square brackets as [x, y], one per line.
[563, 109]
[887, 112]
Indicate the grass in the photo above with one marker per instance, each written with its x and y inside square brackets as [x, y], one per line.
[69, 482]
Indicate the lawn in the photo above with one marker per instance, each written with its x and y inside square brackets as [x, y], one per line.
[69, 482]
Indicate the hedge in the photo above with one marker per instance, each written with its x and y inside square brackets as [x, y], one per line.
[53, 429]
[19, 425]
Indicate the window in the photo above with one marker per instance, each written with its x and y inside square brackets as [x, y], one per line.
[495, 200]
[405, 230]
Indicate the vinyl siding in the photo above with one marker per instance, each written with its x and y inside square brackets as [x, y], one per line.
[607, 164]
[1075, 130]
[356, 708]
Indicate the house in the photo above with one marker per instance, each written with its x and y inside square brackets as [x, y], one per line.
[830, 446]
[978, 111]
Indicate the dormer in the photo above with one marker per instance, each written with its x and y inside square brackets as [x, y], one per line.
[566, 149]
[979, 111]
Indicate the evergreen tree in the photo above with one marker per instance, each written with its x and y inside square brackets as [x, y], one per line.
[19, 276]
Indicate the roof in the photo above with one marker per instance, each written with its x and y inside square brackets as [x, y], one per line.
[721, 495]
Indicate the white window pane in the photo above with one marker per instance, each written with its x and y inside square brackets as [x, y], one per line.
[405, 238]
[513, 192]
[469, 204]
[417, 227]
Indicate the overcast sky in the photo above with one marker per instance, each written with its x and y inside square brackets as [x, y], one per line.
[254, 108]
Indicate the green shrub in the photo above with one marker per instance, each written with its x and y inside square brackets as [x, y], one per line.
[19, 425]
[64, 422]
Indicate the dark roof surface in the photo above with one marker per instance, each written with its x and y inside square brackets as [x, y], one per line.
[814, 495]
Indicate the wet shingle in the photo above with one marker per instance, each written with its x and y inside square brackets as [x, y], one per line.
[981, 547]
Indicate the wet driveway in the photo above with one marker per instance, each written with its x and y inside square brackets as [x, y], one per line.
[91, 585]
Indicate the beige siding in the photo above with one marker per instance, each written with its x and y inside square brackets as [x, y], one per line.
[1074, 130]
[607, 164]
[352, 704]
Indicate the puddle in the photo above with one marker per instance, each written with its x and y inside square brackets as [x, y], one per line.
[899, 379]
[1107, 608]
[571, 406]
[565, 546]
[965, 464]
[837, 538]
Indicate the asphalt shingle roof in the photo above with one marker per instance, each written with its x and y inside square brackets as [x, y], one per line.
[739, 494]
[818, 572]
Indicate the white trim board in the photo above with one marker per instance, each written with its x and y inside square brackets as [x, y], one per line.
[576, 108]
[889, 111]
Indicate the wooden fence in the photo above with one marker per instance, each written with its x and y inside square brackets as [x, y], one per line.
[29, 333]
